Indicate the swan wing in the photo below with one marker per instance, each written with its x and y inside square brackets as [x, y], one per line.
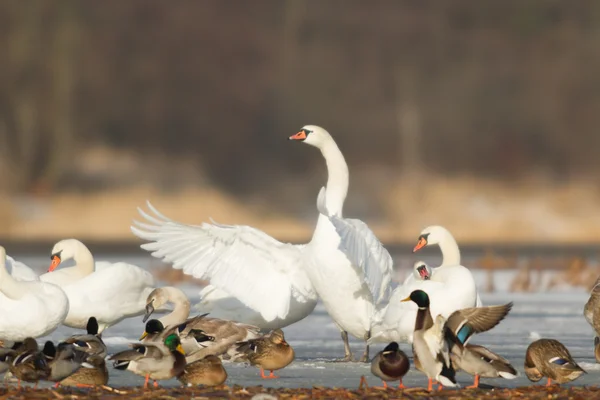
[20, 271]
[250, 265]
[365, 252]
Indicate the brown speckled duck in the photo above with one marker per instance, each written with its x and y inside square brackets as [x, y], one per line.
[591, 312]
[549, 358]
[269, 352]
[208, 371]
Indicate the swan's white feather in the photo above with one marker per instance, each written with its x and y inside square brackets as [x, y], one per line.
[250, 265]
[365, 252]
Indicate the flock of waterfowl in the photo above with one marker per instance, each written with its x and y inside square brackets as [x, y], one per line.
[258, 286]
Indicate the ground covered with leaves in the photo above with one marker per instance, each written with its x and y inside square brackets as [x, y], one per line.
[261, 393]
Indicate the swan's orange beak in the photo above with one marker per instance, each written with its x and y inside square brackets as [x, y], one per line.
[298, 136]
[55, 263]
[420, 244]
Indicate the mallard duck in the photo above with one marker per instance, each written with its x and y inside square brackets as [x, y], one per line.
[90, 343]
[63, 362]
[29, 364]
[390, 364]
[156, 331]
[550, 358]
[153, 360]
[93, 372]
[593, 317]
[6, 357]
[481, 362]
[270, 352]
[432, 341]
[208, 371]
[226, 333]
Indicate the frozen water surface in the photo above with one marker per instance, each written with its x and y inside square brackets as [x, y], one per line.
[317, 342]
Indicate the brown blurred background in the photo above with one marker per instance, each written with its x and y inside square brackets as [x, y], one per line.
[479, 116]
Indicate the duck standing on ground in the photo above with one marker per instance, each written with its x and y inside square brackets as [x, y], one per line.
[389, 365]
[591, 311]
[270, 352]
[109, 292]
[156, 361]
[481, 362]
[29, 363]
[207, 371]
[549, 358]
[435, 341]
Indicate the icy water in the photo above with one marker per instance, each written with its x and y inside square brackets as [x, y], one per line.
[317, 342]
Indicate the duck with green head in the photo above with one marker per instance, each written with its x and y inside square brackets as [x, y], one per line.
[390, 364]
[153, 360]
[440, 347]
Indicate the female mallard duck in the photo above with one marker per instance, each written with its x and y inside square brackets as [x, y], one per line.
[390, 364]
[29, 364]
[153, 360]
[93, 372]
[433, 341]
[481, 362]
[270, 352]
[549, 358]
[593, 317]
[208, 371]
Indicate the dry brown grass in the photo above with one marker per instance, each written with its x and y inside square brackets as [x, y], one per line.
[476, 211]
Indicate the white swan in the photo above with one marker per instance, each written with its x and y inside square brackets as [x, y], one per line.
[450, 288]
[349, 268]
[272, 278]
[109, 292]
[31, 309]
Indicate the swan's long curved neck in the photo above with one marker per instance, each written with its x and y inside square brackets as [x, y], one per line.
[8, 285]
[338, 178]
[84, 260]
[450, 251]
[181, 306]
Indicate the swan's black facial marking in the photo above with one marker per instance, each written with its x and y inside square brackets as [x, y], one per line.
[57, 254]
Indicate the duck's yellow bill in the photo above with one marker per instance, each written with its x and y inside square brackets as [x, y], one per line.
[180, 349]
[143, 335]
[406, 299]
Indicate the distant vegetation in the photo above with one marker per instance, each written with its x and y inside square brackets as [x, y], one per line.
[494, 89]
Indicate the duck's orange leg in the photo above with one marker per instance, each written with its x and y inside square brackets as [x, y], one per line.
[155, 384]
[270, 376]
[56, 385]
[363, 381]
[475, 384]
[430, 385]
[401, 385]
[19, 384]
[146, 381]
[549, 383]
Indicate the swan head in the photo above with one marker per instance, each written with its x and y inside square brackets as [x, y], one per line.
[422, 271]
[313, 135]
[431, 235]
[63, 250]
[156, 299]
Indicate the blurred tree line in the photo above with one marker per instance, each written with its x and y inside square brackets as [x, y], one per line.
[495, 89]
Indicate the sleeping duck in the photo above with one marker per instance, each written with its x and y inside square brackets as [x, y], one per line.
[549, 358]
